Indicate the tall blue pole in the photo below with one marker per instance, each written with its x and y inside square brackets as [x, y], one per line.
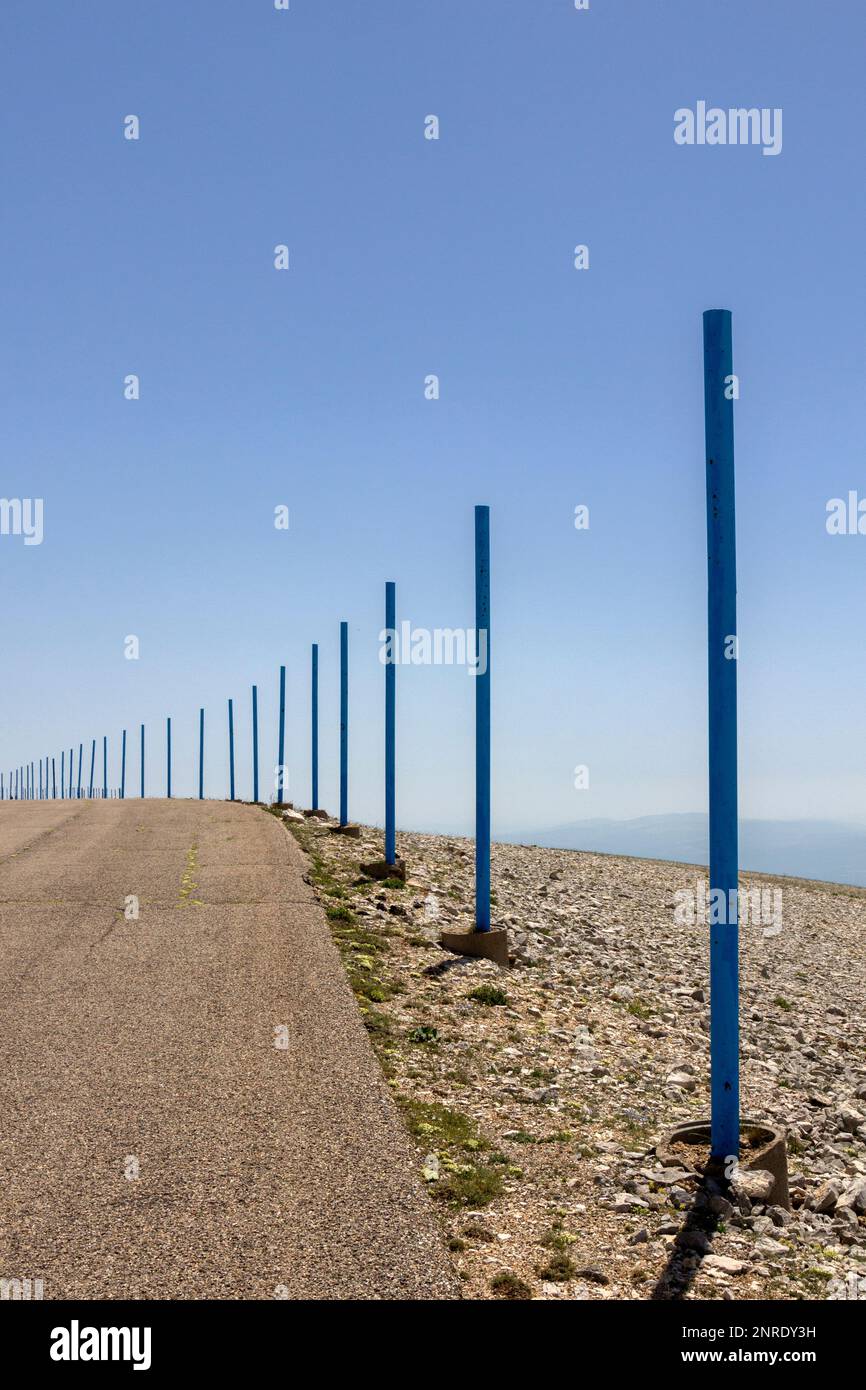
[344, 723]
[62, 773]
[201, 755]
[255, 744]
[80, 756]
[390, 724]
[123, 767]
[231, 752]
[314, 732]
[722, 680]
[142, 760]
[92, 765]
[168, 757]
[105, 765]
[53, 781]
[482, 719]
[70, 774]
[282, 737]
[40, 779]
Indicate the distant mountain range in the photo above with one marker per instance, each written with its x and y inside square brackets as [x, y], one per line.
[829, 850]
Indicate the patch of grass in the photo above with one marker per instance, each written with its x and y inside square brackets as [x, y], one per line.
[339, 914]
[368, 987]
[639, 1008]
[507, 1285]
[475, 1231]
[488, 994]
[782, 1003]
[559, 1269]
[437, 1125]
[471, 1185]
[377, 1023]
[521, 1137]
[391, 883]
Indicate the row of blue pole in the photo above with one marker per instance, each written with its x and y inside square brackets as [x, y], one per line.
[722, 721]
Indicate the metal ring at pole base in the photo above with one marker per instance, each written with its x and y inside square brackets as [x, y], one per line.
[762, 1148]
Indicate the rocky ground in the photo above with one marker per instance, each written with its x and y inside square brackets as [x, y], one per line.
[536, 1095]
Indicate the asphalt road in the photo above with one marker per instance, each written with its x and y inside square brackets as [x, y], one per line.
[157, 1140]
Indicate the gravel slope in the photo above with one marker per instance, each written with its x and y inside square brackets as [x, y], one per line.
[157, 1143]
[537, 1094]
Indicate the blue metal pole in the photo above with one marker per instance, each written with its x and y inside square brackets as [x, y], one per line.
[142, 760]
[722, 682]
[70, 774]
[344, 723]
[168, 757]
[482, 719]
[105, 765]
[92, 765]
[80, 756]
[314, 733]
[390, 725]
[201, 755]
[53, 781]
[40, 779]
[123, 767]
[231, 752]
[255, 744]
[282, 738]
[62, 772]
[33, 779]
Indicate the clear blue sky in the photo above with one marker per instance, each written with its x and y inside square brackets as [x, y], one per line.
[558, 387]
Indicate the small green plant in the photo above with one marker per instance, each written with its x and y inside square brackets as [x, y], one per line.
[782, 1003]
[339, 914]
[424, 1033]
[488, 994]
[471, 1185]
[558, 1238]
[559, 1269]
[507, 1285]
[639, 1008]
[377, 1023]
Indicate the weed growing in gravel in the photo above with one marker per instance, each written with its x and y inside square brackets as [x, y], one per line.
[339, 914]
[507, 1285]
[558, 1238]
[469, 1185]
[639, 1008]
[488, 994]
[424, 1033]
[559, 1269]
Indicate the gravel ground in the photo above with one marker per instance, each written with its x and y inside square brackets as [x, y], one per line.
[191, 1108]
[537, 1094]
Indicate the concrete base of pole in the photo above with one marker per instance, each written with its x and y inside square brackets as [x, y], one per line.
[490, 945]
[353, 831]
[762, 1149]
[318, 814]
[380, 868]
